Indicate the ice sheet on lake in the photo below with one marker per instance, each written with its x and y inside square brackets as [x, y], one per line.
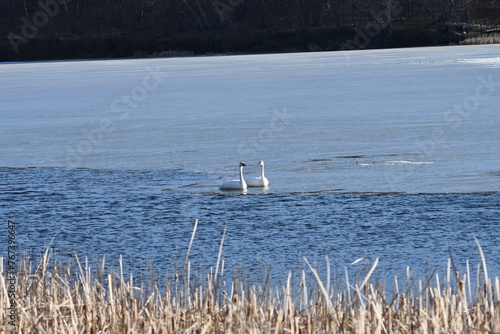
[305, 114]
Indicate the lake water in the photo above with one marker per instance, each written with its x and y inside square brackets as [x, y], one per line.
[390, 154]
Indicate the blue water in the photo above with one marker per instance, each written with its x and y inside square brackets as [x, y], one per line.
[389, 154]
[134, 214]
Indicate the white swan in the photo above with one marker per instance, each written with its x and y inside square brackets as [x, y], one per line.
[259, 181]
[236, 184]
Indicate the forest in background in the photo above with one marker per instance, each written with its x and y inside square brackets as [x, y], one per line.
[69, 29]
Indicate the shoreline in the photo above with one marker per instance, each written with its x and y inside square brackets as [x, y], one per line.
[90, 48]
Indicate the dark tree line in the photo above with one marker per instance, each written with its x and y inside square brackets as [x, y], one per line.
[51, 29]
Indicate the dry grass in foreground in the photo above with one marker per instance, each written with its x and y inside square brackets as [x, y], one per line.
[53, 299]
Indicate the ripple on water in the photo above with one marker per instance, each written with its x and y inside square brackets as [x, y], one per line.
[96, 212]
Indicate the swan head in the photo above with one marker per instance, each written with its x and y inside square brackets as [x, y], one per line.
[242, 164]
[261, 163]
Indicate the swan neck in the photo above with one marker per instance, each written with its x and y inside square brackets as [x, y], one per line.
[241, 173]
[262, 171]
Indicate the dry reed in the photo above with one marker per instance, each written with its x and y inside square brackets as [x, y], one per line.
[492, 38]
[62, 298]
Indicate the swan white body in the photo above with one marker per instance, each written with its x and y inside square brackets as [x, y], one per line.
[259, 181]
[236, 184]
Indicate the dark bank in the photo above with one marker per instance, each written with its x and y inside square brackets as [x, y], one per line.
[71, 29]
